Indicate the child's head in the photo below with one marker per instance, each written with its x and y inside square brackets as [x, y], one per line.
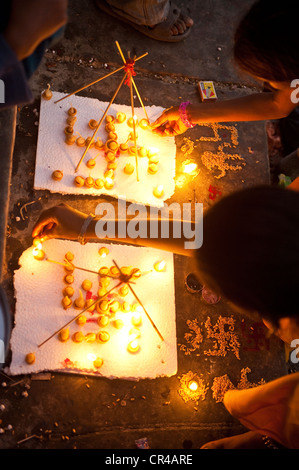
[250, 251]
[267, 41]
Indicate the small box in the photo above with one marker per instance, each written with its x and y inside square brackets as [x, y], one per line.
[207, 91]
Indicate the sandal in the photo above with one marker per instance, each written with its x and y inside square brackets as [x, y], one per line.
[160, 32]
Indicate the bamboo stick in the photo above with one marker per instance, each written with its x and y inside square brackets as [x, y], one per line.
[134, 125]
[96, 81]
[80, 313]
[90, 84]
[100, 123]
[140, 303]
[67, 265]
[134, 84]
[120, 51]
[139, 97]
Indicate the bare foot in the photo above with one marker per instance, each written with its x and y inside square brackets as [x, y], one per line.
[184, 22]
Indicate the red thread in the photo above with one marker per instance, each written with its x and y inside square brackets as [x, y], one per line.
[129, 69]
[92, 320]
[214, 192]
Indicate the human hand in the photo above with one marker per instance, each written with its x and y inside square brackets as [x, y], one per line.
[247, 440]
[33, 21]
[169, 123]
[61, 221]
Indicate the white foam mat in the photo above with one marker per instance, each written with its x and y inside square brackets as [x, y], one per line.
[39, 313]
[54, 154]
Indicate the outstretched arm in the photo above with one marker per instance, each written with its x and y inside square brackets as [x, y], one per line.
[255, 107]
[64, 222]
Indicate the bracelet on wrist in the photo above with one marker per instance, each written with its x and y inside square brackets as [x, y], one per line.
[183, 114]
[86, 223]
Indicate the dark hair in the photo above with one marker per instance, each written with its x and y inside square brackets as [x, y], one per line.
[267, 41]
[250, 251]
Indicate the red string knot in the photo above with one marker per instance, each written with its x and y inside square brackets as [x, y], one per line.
[129, 69]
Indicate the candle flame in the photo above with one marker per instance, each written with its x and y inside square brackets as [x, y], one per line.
[91, 357]
[160, 266]
[189, 168]
[158, 191]
[133, 337]
[136, 319]
[134, 344]
[103, 252]
[153, 150]
[193, 386]
[37, 247]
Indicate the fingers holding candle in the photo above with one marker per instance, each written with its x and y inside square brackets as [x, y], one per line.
[160, 266]
[38, 253]
[169, 123]
[60, 221]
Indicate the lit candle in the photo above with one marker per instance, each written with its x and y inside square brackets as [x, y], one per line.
[103, 252]
[38, 253]
[36, 242]
[152, 151]
[109, 183]
[136, 319]
[160, 266]
[193, 385]
[144, 123]
[133, 346]
[134, 333]
[132, 120]
[91, 357]
[189, 167]
[158, 191]
[98, 362]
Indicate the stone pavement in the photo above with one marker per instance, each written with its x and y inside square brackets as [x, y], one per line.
[83, 412]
